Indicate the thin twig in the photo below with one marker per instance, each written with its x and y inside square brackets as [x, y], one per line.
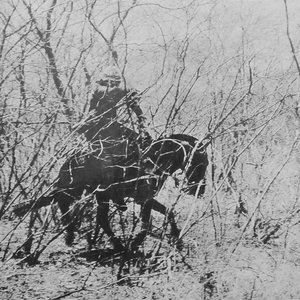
[262, 196]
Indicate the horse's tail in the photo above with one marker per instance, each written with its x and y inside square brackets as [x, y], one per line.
[21, 209]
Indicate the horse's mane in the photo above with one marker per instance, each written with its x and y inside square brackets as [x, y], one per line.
[184, 137]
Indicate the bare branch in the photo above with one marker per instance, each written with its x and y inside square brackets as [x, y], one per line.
[289, 37]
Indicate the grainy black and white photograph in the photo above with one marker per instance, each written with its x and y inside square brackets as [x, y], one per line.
[149, 149]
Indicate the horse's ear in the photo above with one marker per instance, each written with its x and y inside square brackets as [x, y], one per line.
[201, 147]
[185, 143]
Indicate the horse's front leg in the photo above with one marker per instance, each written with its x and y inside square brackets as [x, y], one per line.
[69, 218]
[170, 217]
[103, 222]
[145, 216]
[64, 201]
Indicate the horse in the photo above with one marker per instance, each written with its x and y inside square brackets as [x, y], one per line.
[140, 177]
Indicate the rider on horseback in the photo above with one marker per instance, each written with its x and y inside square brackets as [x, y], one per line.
[104, 103]
[118, 145]
[102, 125]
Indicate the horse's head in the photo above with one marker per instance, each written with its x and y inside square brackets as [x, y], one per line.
[194, 162]
[179, 151]
[195, 171]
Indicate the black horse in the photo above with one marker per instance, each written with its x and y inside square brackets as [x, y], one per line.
[140, 177]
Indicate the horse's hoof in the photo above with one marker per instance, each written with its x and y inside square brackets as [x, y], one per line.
[176, 242]
[69, 238]
[179, 244]
[118, 247]
[138, 240]
[134, 247]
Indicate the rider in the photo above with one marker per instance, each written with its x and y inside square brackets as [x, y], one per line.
[103, 107]
[102, 123]
[106, 135]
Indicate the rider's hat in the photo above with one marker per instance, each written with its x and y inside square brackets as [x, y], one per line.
[110, 76]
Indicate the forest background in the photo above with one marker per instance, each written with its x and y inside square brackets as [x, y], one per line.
[227, 70]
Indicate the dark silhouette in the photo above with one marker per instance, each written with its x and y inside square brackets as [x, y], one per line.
[120, 140]
[103, 124]
[140, 179]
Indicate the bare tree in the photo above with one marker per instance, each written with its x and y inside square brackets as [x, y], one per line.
[198, 71]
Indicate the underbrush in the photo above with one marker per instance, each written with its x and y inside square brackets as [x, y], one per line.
[215, 261]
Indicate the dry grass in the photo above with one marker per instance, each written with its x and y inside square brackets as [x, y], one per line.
[205, 268]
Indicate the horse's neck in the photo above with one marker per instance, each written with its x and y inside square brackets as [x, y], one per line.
[168, 156]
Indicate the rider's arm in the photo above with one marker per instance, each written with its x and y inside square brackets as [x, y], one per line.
[135, 107]
[97, 96]
[85, 124]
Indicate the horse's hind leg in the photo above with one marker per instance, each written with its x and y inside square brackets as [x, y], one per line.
[103, 221]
